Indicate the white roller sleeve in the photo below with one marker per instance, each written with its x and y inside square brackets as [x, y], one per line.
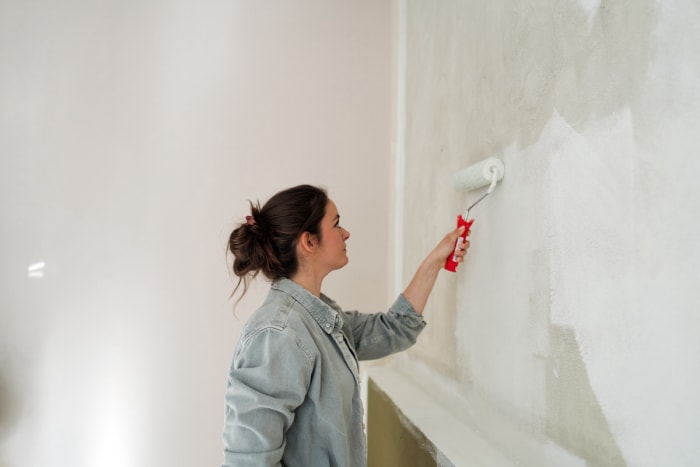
[478, 175]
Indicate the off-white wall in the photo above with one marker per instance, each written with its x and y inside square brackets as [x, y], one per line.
[572, 329]
[131, 135]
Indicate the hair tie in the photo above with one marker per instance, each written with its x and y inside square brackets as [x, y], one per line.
[249, 220]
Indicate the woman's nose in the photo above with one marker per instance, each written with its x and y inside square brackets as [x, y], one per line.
[346, 234]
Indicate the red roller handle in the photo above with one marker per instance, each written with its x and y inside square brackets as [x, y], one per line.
[451, 264]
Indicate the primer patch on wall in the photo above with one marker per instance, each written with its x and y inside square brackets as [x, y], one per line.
[608, 288]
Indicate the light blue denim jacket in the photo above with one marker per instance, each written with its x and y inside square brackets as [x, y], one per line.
[293, 394]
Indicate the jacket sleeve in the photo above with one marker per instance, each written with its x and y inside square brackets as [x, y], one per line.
[268, 380]
[381, 334]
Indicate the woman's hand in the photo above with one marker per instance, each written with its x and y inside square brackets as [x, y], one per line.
[446, 247]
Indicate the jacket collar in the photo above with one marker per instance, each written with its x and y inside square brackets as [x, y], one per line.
[323, 310]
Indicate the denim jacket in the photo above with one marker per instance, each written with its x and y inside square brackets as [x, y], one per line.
[293, 393]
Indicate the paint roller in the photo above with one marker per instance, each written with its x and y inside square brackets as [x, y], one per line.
[489, 171]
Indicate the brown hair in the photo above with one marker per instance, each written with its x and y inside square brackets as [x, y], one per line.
[267, 241]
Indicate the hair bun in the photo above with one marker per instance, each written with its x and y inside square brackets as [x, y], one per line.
[265, 241]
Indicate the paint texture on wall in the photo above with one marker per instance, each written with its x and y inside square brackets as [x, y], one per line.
[575, 317]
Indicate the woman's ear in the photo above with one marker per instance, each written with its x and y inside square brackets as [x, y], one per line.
[307, 243]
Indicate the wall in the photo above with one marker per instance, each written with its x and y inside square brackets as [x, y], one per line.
[572, 329]
[131, 135]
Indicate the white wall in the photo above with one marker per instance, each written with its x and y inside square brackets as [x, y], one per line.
[131, 135]
[574, 322]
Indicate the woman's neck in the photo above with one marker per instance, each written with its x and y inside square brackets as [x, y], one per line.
[309, 281]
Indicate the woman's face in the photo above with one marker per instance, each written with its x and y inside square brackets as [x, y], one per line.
[332, 249]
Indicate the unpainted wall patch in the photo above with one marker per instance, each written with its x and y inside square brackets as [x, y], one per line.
[575, 419]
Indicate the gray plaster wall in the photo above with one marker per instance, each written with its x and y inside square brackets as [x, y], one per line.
[575, 320]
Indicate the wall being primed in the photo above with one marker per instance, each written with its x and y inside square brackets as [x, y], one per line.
[574, 319]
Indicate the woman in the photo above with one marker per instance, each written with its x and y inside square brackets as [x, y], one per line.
[293, 394]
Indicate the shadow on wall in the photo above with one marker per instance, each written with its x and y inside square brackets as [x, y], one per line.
[575, 419]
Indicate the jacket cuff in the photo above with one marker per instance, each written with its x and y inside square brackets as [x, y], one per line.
[404, 308]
